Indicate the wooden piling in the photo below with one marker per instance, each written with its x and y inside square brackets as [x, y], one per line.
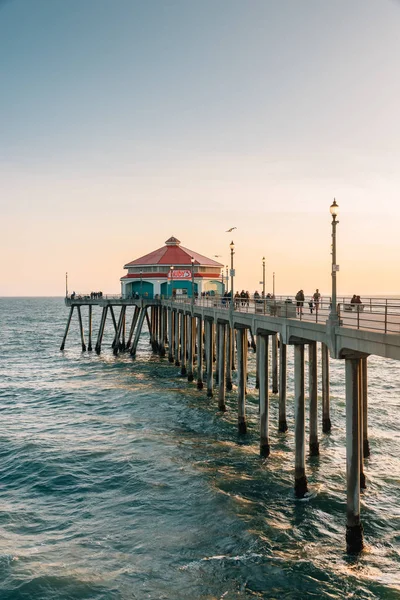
[275, 363]
[229, 350]
[363, 483]
[313, 393]
[326, 419]
[177, 337]
[300, 480]
[81, 329]
[183, 343]
[366, 449]
[209, 345]
[221, 366]
[282, 424]
[170, 336]
[90, 328]
[354, 529]
[67, 328]
[101, 329]
[191, 344]
[200, 353]
[133, 325]
[242, 374]
[262, 352]
[142, 315]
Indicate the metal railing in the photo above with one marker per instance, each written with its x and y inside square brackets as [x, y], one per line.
[374, 314]
[383, 316]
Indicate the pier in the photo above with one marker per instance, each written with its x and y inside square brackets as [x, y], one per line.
[210, 336]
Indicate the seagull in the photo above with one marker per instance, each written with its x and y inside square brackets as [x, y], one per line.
[217, 255]
[231, 229]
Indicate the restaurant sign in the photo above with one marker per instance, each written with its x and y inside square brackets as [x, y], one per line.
[180, 274]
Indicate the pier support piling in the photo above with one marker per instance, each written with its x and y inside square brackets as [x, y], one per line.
[300, 480]
[67, 328]
[101, 330]
[282, 424]
[326, 419]
[177, 337]
[209, 343]
[262, 352]
[274, 365]
[191, 345]
[242, 375]
[90, 329]
[229, 351]
[364, 370]
[354, 529]
[313, 392]
[183, 344]
[221, 366]
[200, 353]
[81, 329]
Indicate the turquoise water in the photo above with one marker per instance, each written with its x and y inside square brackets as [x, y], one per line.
[119, 480]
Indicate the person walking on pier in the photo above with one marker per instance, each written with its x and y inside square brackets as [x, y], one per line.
[317, 299]
[300, 301]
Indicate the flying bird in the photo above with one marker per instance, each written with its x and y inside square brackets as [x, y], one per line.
[217, 255]
[231, 229]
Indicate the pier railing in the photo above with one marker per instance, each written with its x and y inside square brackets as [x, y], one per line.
[375, 314]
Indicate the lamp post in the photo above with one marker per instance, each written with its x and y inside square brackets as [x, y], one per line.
[232, 247]
[66, 285]
[141, 283]
[192, 263]
[273, 285]
[334, 210]
[171, 269]
[263, 281]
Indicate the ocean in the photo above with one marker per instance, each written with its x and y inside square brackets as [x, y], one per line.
[120, 480]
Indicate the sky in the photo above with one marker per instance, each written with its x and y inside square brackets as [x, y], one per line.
[123, 122]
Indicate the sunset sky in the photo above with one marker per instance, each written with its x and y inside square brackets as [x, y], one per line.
[124, 122]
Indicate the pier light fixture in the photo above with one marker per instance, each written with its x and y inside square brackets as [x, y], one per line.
[333, 315]
[334, 208]
[232, 247]
[263, 279]
[171, 269]
[192, 264]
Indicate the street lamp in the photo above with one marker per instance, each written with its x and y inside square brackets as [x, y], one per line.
[263, 284]
[232, 247]
[192, 261]
[141, 283]
[171, 269]
[333, 316]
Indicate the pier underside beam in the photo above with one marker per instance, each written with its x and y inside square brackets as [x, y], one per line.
[200, 353]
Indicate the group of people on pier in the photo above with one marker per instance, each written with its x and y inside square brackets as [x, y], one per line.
[96, 295]
[313, 302]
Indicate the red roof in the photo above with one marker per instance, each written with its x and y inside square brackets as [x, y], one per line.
[173, 254]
